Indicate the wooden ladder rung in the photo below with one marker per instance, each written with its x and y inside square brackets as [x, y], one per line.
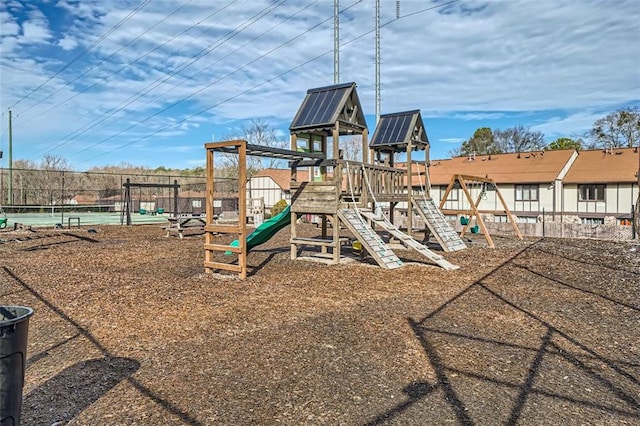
[224, 266]
[222, 247]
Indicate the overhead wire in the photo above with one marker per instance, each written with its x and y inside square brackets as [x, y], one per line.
[211, 84]
[108, 77]
[251, 88]
[107, 58]
[262, 83]
[194, 58]
[84, 51]
[192, 77]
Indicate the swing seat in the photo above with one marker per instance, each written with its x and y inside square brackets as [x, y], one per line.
[143, 211]
[3, 222]
[160, 210]
[475, 229]
[464, 220]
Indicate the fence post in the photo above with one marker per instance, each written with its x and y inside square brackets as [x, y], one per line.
[543, 221]
[633, 222]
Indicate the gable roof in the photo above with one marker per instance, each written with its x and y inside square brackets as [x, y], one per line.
[394, 132]
[324, 106]
[525, 167]
[599, 166]
[282, 177]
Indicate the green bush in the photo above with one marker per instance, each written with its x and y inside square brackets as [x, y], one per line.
[278, 207]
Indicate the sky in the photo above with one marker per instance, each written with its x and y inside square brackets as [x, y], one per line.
[148, 82]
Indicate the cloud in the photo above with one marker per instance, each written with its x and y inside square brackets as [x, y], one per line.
[179, 70]
[68, 43]
[452, 140]
[572, 124]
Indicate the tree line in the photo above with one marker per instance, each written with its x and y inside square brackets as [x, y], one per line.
[619, 129]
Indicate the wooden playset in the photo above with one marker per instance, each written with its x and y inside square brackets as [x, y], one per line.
[340, 192]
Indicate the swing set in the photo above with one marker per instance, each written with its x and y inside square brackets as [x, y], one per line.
[470, 217]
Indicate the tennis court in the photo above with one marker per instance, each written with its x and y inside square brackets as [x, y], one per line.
[70, 218]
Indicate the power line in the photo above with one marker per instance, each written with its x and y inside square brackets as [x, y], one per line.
[102, 80]
[260, 84]
[108, 57]
[85, 50]
[194, 58]
[251, 88]
[213, 83]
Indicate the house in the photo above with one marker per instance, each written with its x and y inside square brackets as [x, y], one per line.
[273, 185]
[589, 187]
[530, 182]
[601, 186]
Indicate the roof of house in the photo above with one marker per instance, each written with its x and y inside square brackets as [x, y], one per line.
[324, 106]
[525, 167]
[394, 132]
[599, 166]
[282, 177]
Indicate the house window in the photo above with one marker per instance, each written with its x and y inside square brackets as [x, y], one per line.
[527, 219]
[593, 221]
[591, 192]
[526, 192]
[217, 203]
[198, 204]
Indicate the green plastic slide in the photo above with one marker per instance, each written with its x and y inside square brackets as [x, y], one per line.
[266, 230]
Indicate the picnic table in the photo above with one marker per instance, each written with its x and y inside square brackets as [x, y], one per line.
[178, 224]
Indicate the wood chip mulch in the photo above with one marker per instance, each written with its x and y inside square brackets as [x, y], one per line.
[128, 329]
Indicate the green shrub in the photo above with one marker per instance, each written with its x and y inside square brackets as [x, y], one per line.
[278, 207]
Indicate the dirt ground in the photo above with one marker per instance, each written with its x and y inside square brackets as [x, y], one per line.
[129, 330]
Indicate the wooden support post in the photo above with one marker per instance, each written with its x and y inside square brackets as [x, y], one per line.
[242, 205]
[294, 178]
[336, 239]
[365, 146]
[409, 191]
[208, 206]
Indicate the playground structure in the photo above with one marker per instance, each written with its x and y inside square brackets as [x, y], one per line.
[473, 213]
[126, 212]
[340, 192]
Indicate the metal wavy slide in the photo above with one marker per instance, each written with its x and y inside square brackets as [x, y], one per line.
[266, 230]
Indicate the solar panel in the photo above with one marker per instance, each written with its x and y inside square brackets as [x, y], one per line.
[320, 106]
[396, 130]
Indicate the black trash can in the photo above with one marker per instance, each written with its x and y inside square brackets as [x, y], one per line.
[14, 328]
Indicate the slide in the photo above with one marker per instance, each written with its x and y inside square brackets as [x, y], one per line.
[266, 230]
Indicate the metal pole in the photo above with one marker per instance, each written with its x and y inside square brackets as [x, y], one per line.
[10, 184]
[377, 61]
[336, 41]
[62, 203]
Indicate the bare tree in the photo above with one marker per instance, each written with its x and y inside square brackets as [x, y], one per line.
[258, 132]
[352, 148]
[518, 139]
[618, 129]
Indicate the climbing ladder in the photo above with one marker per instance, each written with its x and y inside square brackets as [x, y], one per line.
[447, 237]
[408, 241]
[371, 241]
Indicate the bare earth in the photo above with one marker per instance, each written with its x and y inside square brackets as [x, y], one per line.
[129, 330]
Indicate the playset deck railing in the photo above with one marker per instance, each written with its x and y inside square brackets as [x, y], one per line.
[386, 183]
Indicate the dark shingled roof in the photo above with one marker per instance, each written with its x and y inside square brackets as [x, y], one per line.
[394, 131]
[322, 107]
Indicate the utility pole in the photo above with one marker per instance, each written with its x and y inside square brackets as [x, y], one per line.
[377, 61]
[10, 183]
[336, 41]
